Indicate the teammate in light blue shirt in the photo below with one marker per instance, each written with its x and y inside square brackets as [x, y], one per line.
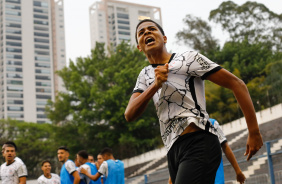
[112, 169]
[219, 178]
[69, 174]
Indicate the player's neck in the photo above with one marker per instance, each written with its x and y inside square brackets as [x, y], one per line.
[10, 161]
[161, 57]
[47, 175]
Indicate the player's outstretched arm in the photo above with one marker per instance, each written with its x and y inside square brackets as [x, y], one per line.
[226, 79]
[231, 158]
[76, 177]
[139, 101]
[92, 177]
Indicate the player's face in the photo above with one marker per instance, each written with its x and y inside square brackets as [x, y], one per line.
[46, 168]
[100, 159]
[9, 154]
[90, 159]
[63, 155]
[149, 37]
[105, 157]
[80, 160]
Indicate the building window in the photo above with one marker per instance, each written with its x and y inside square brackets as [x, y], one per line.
[40, 4]
[40, 109]
[14, 88]
[40, 16]
[41, 40]
[44, 71]
[15, 82]
[40, 22]
[13, 31]
[14, 69]
[43, 96]
[15, 102]
[123, 33]
[123, 22]
[42, 65]
[12, 56]
[41, 116]
[14, 75]
[19, 63]
[14, 13]
[14, 44]
[41, 28]
[41, 34]
[13, 25]
[123, 27]
[10, 115]
[43, 84]
[39, 58]
[42, 53]
[13, 50]
[14, 1]
[43, 90]
[14, 7]
[15, 95]
[39, 77]
[13, 37]
[41, 102]
[122, 15]
[15, 108]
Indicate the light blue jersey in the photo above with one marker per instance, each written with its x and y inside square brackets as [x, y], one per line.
[219, 178]
[94, 170]
[66, 172]
[113, 170]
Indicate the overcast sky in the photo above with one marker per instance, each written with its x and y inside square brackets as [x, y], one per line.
[77, 29]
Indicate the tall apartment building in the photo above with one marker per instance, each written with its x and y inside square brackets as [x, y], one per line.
[112, 21]
[32, 48]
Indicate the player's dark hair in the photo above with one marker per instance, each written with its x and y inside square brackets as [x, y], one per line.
[63, 148]
[148, 20]
[107, 151]
[83, 154]
[45, 161]
[11, 144]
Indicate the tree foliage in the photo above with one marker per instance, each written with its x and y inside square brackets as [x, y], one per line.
[253, 48]
[99, 88]
[197, 35]
[252, 21]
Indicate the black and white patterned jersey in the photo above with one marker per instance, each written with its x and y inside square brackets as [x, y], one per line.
[55, 179]
[181, 99]
[70, 166]
[219, 132]
[10, 174]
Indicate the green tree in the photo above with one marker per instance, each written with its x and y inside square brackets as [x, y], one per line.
[252, 21]
[35, 143]
[198, 35]
[99, 88]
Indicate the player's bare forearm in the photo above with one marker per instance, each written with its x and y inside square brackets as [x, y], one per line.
[239, 88]
[138, 103]
[231, 157]
[76, 177]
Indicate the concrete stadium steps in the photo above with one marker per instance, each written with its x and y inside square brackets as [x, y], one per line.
[152, 165]
[131, 170]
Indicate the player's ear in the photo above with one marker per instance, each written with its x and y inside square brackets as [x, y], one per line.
[139, 48]
[165, 39]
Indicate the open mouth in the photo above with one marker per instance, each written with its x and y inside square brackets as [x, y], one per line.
[149, 40]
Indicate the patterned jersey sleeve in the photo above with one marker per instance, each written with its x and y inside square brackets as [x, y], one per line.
[104, 169]
[22, 171]
[200, 66]
[70, 167]
[140, 85]
[220, 134]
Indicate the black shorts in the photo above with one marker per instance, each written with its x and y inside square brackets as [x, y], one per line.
[194, 158]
